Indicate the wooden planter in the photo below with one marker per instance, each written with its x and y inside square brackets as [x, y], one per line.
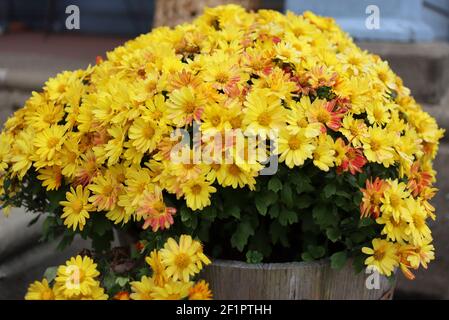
[234, 280]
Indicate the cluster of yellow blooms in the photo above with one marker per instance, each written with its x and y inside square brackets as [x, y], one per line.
[107, 131]
[172, 267]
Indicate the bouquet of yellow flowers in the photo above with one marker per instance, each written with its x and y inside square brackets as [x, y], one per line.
[268, 137]
[79, 278]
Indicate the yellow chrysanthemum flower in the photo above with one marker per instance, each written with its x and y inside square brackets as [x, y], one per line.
[184, 259]
[49, 141]
[76, 208]
[323, 154]
[144, 135]
[295, 148]
[159, 275]
[143, 289]
[383, 256]
[263, 113]
[77, 277]
[51, 177]
[172, 290]
[378, 146]
[197, 193]
[40, 290]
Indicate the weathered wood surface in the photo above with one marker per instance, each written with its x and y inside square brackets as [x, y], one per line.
[234, 280]
[173, 12]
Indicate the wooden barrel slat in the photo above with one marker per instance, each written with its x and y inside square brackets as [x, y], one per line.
[234, 280]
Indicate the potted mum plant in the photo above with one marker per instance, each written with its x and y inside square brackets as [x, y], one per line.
[293, 156]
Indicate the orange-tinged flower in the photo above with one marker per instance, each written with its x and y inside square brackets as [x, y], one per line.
[122, 295]
[418, 179]
[87, 170]
[152, 208]
[353, 161]
[371, 201]
[105, 192]
[327, 113]
[200, 291]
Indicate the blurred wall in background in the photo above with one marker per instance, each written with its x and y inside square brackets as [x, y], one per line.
[400, 20]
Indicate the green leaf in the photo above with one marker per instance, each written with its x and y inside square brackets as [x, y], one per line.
[134, 254]
[122, 281]
[275, 184]
[287, 217]
[365, 222]
[102, 243]
[50, 273]
[101, 224]
[261, 206]
[343, 194]
[185, 214]
[109, 281]
[333, 234]
[54, 197]
[240, 237]
[329, 190]
[304, 201]
[358, 236]
[316, 251]
[210, 213]
[254, 256]
[234, 211]
[189, 218]
[306, 256]
[287, 195]
[338, 260]
[270, 198]
[278, 233]
[325, 216]
[358, 263]
[273, 212]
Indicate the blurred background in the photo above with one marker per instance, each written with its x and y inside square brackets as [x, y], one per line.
[35, 43]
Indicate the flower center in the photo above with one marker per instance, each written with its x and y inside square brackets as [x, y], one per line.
[182, 260]
[395, 200]
[77, 206]
[234, 170]
[196, 189]
[379, 255]
[148, 132]
[215, 120]
[294, 143]
[47, 295]
[222, 77]
[264, 119]
[52, 142]
[190, 107]
[323, 116]
[375, 145]
[236, 122]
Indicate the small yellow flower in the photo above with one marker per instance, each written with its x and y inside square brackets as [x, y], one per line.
[40, 290]
[76, 208]
[197, 193]
[143, 289]
[183, 260]
[77, 277]
[383, 256]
